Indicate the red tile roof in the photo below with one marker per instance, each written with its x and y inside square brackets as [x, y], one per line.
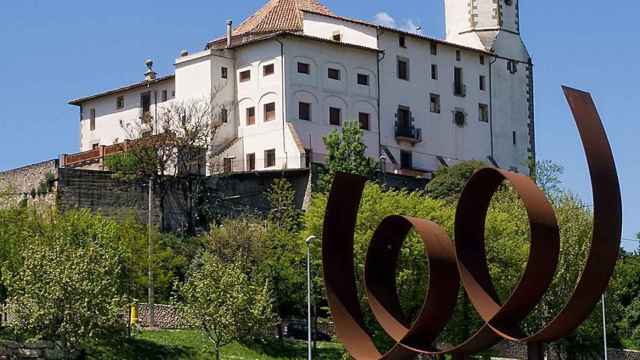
[280, 15]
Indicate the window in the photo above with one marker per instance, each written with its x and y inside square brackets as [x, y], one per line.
[404, 117]
[269, 112]
[403, 69]
[227, 164]
[483, 83]
[251, 162]
[434, 48]
[304, 111]
[333, 74]
[458, 55]
[95, 146]
[337, 36]
[434, 72]
[268, 70]
[514, 138]
[270, 158]
[458, 86]
[120, 102]
[335, 116]
[173, 93]
[459, 118]
[363, 119]
[481, 59]
[512, 66]
[92, 119]
[402, 40]
[307, 158]
[224, 72]
[363, 79]
[251, 116]
[224, 116]
[165, 95]
[483, 110]
[304, 68]
[434, 103]
[245, 75]
[406, 159]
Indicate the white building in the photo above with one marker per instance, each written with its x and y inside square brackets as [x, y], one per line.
[296, 71]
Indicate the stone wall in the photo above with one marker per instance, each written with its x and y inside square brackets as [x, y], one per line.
[24, 184]
[166, 317]
[43, 350]
[509, 350]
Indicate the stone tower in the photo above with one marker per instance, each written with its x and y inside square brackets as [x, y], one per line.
[491, 25]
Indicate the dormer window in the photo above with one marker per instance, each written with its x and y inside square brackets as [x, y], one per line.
[337, 36]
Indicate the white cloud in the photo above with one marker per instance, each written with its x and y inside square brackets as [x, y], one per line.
[408, 25]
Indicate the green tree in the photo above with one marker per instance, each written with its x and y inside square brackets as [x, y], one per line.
[69, 288]
[548, 177]
[225, 303]
[448, 182]
[346, 152]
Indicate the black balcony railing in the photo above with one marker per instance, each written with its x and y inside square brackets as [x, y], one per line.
[409, 133]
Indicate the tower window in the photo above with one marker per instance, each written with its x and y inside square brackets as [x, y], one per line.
[484, 112]
[333, 74]
[224, 72]
[269, 112]
[304, 111]
[270, 158]
[224, 115]
[481, 59]
[337, 36]
[508, 2]
[514, 138]
[402, 41]
[434, 48]
[512, 66]
[458, 55]
[363, 119]
[268, 70]
[92, 119]
[245, 76]
[483, 83]
[363, 79]
[303, 68]
[434, 103]
[458, 85]
[434, 72]
[403, 69]
[335, 116]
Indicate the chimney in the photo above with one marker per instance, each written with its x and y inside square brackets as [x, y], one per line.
[229, 32]
[150, 75]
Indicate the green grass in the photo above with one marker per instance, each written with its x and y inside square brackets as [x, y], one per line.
[173, 345]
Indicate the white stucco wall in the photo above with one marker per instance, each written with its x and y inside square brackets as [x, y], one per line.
[351, 33]
[114, 125]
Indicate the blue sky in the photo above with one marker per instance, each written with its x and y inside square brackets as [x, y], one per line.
[53, 51]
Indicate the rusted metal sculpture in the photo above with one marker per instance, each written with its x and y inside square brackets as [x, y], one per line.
[466, 260]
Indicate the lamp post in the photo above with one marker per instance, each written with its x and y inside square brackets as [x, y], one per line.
[308, 241]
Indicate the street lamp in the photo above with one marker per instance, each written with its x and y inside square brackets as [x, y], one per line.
[308, 241]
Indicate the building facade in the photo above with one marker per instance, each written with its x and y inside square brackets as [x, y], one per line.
[294, 71]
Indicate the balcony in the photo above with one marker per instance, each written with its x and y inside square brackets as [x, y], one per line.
[408, 133]
[459, 89]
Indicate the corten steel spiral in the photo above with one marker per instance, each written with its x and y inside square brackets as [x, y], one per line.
[465, 261]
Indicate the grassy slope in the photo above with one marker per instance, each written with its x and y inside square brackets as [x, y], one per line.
[173, 345]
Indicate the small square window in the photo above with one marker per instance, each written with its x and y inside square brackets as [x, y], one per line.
[483, 110]
[251, 162]
[269, 112]
[224, 72]
[304, 111]
[434, 72]
[269, 158]
[304, 68]
[95, 146]
[337, 36]
[403, 69]
[245, 76]
[165, 95]
[251, 116]
[335, 116]
[120, 102]
[483, 83]
[434, 48]
[363, 79]
[402, 40]
[434, 103]
[363, 119]
[268, 70]
[333, 74]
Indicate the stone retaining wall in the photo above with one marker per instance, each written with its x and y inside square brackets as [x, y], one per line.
[23, 184]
